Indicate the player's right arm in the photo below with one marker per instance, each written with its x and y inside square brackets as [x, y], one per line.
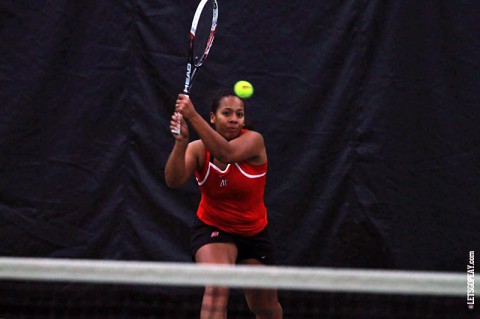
[182, 162]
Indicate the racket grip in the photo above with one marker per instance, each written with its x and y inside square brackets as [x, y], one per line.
[177, 131]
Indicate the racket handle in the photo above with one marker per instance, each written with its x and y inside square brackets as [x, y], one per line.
[177, 131]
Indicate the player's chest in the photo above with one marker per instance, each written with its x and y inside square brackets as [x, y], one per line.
[227, 178]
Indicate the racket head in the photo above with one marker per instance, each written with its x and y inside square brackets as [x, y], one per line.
[202, 33]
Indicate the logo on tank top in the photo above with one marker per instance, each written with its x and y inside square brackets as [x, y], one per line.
[223, 183]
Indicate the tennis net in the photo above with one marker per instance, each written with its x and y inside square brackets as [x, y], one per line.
[66, 288]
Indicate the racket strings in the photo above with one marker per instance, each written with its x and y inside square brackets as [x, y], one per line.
[203, 35]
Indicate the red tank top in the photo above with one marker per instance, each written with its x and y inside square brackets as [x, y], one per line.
[233, 199]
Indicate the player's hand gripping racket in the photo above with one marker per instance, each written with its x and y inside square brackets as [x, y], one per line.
[202, 33]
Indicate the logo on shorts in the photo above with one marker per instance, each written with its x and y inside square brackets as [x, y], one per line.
[215, 234]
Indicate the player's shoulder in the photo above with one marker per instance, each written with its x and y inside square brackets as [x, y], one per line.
[197, 146]
[196, 149]
[251, 132]
[254, 135]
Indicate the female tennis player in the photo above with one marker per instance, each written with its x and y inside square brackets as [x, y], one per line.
[230, 165]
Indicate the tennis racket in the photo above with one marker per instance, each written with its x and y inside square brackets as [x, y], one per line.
[202, 33]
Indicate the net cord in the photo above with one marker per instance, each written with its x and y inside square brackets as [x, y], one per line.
[239, 276]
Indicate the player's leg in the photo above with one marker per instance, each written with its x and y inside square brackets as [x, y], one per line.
[263, 302]
[215, 299]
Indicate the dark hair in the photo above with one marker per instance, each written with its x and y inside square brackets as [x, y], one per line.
[220, 94]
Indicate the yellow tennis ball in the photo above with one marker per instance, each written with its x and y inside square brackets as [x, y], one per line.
[243, 89]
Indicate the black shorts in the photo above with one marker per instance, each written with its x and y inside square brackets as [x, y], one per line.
[257, 247]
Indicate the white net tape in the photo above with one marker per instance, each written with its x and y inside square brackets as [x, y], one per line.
[188, 274]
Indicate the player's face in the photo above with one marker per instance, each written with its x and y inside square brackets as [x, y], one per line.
[229, 118]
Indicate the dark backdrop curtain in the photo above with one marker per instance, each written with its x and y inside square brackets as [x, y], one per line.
[369, 109]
